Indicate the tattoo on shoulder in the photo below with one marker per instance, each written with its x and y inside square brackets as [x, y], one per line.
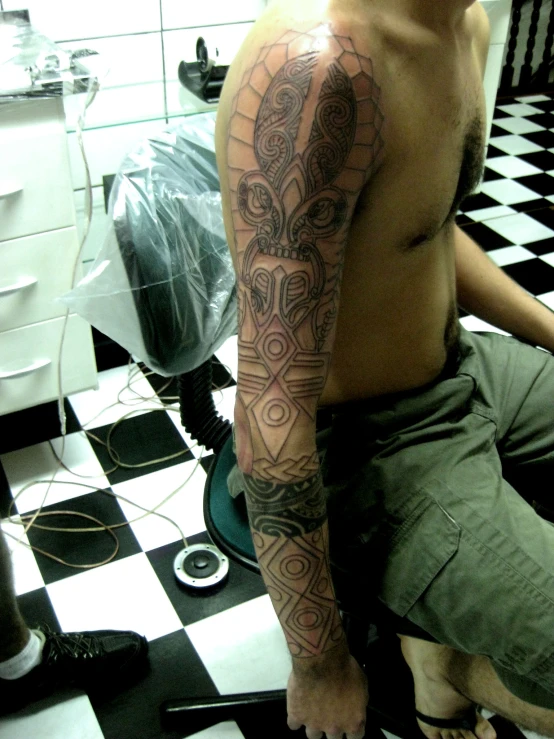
[304, 138]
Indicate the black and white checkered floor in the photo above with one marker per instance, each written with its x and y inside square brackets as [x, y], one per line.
[229, 640]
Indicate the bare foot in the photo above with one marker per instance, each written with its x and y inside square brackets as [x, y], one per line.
[434, 693]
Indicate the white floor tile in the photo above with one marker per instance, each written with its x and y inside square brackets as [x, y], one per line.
[113, 400]
[515, 145]
[26, 573]
[37, 463]
[472, 323]
[508, 192]
[510, 255]
[225, 730]
[485, 214]
[530, 99]
[518, 125]
[121, 595]
[547, 299]
[243, 648]
[520, 228]
[225, 402]
[519, 109]
[72, 717]
[510, 166]
[551, 198]
[548, 258]
[185, 507]
[228, 355]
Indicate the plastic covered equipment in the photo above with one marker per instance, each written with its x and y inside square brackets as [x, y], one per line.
[163, 284]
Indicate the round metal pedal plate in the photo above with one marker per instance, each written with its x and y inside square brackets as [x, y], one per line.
[201, 566]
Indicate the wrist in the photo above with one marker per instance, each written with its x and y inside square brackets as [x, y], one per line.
[316, 666]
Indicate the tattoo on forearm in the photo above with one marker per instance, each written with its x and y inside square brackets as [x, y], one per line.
[304, 137]
[297, 575]
[285, 510]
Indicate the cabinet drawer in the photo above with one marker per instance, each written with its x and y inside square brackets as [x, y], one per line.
[29, 363]
[35, 182]
[34, 270]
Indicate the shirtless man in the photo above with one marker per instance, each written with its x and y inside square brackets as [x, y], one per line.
[349, 132]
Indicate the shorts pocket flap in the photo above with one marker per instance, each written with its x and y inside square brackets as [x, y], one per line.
[419, 550]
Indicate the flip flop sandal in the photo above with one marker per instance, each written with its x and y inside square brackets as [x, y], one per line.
[466, 722]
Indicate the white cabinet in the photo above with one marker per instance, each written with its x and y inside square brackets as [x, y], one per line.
[38, 250]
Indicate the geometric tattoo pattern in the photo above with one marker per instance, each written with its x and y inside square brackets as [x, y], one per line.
[303, 141]
[297, 579]
[304, 137]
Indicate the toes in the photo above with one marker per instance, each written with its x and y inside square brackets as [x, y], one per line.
[484, 729]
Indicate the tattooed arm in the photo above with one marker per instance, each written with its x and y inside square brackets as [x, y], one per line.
[304, 138]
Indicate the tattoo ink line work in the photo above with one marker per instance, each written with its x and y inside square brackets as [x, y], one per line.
[304, 138]
[296, 573]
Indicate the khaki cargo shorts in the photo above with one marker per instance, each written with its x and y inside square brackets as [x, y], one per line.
[432, 503]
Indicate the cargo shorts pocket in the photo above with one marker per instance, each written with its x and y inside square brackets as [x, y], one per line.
[415, 554]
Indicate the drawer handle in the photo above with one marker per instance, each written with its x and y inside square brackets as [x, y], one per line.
[7, 189]
[39, 364]
[21, 285]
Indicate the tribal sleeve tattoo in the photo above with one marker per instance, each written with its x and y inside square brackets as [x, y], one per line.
[304, 138]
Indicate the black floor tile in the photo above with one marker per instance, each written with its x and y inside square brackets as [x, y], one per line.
[241, 584]
[477, 202]
[81, 548]
[542, 119]
[165, 387]
[534, 275]
[497, 131]
[35, 425]
[37, 610]
[108, 353]
[486, 237]
[176, 672]
[546, 246]
[545, 216]
[490, 175]
[493, 152]
[546, 105]
[542, 159]
[5, 495]
[144, 438]
[531, 205]
[541, 138]
[221, 377]
[543, 184]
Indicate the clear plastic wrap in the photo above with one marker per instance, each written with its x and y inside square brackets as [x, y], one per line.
[163, 284]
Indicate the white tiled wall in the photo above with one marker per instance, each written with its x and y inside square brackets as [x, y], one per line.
[140, 46]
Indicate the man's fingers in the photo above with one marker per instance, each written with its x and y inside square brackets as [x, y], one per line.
[314, 734]
[293, 724]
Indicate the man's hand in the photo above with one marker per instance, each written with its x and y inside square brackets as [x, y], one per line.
[333, 704]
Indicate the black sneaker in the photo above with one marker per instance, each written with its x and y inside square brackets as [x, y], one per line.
[94, 661]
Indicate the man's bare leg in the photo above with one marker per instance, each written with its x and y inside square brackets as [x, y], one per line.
[447, 682]
[14, 633]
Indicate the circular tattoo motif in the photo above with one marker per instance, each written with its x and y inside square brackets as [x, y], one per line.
[258, 540]
[295, 567]
[276, 412]
[322, 585]
[276, 596]
[295, 649]
[275, 346]
[308, 619]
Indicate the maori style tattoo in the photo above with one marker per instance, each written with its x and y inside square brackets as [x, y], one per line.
[304, 138]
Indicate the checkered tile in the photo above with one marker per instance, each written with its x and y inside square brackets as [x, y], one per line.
[227, 640]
